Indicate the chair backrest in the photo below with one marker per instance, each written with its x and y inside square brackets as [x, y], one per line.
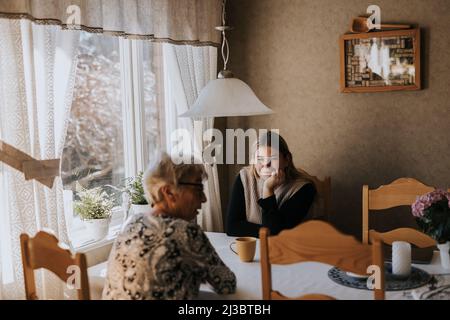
[413, 236]
[317, 241]
[321, 207]
[401, 192]
[43, 251]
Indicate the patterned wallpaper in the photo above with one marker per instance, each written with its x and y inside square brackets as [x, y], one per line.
[288, 52]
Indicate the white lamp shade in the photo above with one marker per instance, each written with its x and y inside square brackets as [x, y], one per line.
[227, 97]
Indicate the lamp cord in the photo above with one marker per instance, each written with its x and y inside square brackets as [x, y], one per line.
[225, 46]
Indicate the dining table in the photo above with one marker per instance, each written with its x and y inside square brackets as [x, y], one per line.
[291, 280]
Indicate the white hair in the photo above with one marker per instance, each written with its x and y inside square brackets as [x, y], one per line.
[163, 171]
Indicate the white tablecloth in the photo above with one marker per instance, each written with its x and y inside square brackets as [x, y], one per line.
[292, 280]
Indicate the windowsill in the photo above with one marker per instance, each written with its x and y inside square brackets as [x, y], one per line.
[87, 244]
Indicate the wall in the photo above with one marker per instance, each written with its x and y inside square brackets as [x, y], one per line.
[288, 52]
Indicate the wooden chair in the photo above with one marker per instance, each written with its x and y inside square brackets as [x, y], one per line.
[413, 236]
[43, 251]
[322, 206]
[401, 192]
[317, 241]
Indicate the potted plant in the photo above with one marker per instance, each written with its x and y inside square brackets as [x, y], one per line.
[432, 213]
[134, 191]
[94, 207]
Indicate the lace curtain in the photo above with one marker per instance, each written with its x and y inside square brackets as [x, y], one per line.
[182, 22]
[187, 70]
[37, 70]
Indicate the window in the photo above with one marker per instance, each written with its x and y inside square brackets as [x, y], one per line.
[114, 126]
[152, 67]
[93, 152]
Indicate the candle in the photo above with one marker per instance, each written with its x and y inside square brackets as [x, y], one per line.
[401, 258]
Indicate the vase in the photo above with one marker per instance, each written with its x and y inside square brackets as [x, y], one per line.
[444, 254]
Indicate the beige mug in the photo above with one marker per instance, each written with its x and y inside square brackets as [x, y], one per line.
[245, 248]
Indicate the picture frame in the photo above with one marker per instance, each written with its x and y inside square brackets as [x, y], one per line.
[380, 61]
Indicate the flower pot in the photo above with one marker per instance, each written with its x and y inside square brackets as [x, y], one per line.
[140, 208]
[444, 254]
[97, 228]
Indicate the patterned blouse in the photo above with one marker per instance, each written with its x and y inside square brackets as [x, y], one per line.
[161, 257]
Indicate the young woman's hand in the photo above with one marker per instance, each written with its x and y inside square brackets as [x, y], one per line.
[271, 183]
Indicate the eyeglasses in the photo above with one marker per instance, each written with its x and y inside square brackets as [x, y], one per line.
[198, 186]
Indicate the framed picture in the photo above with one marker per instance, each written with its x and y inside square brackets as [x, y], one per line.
[380, 61]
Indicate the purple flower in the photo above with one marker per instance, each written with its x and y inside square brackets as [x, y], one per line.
[425, 201]
[418, 208]
[448, 198]
[428, 211]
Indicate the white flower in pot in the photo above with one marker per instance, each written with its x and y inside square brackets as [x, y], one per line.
[94, 207]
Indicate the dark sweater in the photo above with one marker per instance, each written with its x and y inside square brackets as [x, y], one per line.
[290, 214]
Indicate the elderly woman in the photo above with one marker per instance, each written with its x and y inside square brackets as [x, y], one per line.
[164, 254]
[270, 193]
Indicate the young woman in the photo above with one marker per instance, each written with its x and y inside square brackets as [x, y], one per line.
[269, 193]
